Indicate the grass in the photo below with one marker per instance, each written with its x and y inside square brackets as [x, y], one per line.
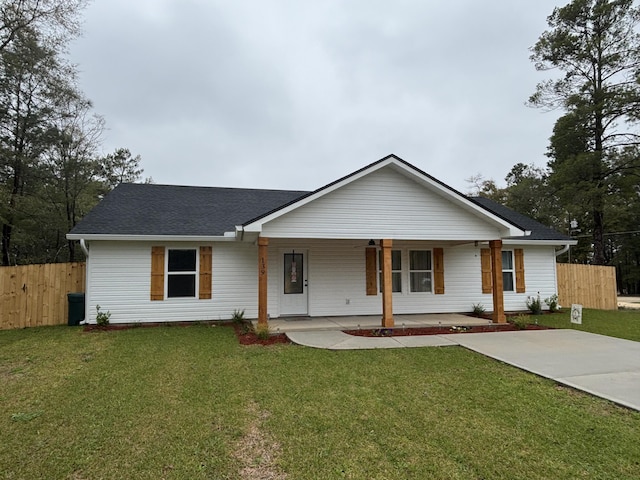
[620, 323]
[190, 403]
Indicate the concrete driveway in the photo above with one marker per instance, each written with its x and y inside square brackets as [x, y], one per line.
[604, 366]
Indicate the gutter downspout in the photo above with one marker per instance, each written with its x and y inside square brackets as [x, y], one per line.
[85, 249]
[564, 249]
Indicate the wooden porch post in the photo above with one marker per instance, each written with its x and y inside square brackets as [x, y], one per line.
[387, 284]
[263, 251]
[496, 277]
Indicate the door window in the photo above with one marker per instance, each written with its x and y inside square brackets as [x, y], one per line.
[293, 273]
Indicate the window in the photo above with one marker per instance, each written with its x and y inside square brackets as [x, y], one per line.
[420, 271]
[396, 270]
[508, 272]
[181, 273]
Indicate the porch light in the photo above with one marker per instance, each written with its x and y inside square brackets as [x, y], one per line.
[372, 243]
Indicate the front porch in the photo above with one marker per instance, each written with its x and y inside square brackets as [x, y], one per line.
[354, 322]
[384, 283]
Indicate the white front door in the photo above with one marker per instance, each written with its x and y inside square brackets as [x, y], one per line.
[293, 290]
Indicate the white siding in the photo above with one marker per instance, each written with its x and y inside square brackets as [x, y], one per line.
[119, 280]
[337, 275]
[383, 204]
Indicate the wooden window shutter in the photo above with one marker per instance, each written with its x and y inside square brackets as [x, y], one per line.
[485, 263]
[438, 271]
[206, 260]
[157, 273]
[518, 254]
[371, 271]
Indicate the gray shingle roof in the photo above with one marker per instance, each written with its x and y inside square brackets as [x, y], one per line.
[145, 209]
[538, 230]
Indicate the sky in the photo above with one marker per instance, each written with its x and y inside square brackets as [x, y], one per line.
[291, 94]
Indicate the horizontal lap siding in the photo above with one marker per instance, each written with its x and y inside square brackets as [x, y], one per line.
[121, 281]
[384, 204]
[120, 276]
[337, 272]
[540, 277]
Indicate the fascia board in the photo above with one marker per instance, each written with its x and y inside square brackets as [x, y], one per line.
[151, 238]
[516, 241]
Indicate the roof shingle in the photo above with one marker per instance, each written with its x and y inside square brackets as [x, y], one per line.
[169, 210]
[538, 230]
[147, 209]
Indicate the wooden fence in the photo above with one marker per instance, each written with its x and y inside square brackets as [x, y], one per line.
[35, 295]
[591, 286]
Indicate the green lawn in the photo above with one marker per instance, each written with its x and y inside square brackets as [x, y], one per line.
[190, 403]
[621, 323]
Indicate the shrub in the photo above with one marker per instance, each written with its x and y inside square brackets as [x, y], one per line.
[478, 309]
[520, 322]
[534, 304]
[102, 318]
[262, 332]
[237, 316]
[552, 303]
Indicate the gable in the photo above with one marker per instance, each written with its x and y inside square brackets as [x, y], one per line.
[385, 203]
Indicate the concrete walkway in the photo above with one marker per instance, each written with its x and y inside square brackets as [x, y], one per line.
[603, 366]
[355, 322]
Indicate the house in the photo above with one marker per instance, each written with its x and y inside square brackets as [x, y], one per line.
[387, 239]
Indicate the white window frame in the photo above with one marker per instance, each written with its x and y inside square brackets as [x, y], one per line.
[409, 271]
[401, 271]
[168, 273]
[405, 270]
[512, 271]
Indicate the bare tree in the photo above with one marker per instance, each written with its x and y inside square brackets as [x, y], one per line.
[56, 20]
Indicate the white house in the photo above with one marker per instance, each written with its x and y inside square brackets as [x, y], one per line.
[386, 239]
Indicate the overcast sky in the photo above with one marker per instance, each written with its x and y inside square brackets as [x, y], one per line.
[295, 94]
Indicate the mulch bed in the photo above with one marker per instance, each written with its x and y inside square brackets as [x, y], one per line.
[246, 336]
[129, 326]
[441, 330]
[243, 332]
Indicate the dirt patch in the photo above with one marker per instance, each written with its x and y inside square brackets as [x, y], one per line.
[442, 330]
[13, 371]
[257, 451]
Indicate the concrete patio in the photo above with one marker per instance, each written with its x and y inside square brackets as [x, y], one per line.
[307, 324]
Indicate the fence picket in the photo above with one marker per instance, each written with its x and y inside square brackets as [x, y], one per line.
[592, 286]
[34, 295]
